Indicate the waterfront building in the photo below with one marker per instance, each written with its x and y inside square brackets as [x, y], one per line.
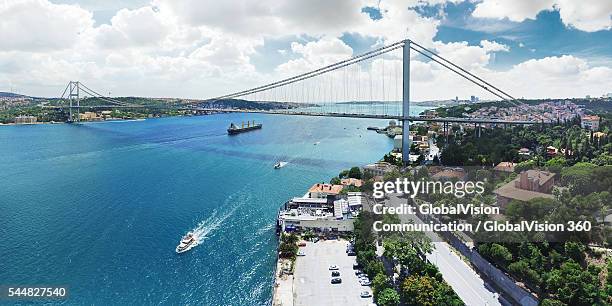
[590, 123]
[298, 220]
[25, 119]
[324, 190]
[529, 185]
[89, 116]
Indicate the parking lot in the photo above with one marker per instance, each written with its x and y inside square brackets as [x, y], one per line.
[312, 284]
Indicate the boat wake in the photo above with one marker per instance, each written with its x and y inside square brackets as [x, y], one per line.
[201, 231]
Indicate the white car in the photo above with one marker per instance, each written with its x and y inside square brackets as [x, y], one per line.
[301, 253]
[333, 267]
[365, 282]
[365, 294]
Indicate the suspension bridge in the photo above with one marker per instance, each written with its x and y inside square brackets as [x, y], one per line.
[375, 84]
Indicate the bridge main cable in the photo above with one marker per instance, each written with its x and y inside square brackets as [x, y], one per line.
[313, 73]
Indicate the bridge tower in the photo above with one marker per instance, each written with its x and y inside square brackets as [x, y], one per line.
[75, 100]
[406, 102]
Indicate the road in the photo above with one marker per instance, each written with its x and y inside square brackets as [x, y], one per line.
[468, 285]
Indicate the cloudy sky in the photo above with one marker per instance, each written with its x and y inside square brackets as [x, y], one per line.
[199, 49]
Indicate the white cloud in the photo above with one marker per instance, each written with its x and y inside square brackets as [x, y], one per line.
[493, 46]
[592, 15]
[38, 25]
[315, 54]
[140, 27]
[171, 48]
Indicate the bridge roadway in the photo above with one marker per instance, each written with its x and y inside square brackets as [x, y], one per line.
[324, 114]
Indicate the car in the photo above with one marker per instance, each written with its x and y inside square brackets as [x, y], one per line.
[333, 267]
[301, 253]
[302, 244]
[365, 282]
[335, 273]
[356, 266]
[365, 294]
[336, 280]
[351, 253]
[358, 272]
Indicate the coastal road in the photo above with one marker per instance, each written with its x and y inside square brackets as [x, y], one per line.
[468, 285]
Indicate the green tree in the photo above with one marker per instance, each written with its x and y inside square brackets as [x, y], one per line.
[388, 297]
[355, 172]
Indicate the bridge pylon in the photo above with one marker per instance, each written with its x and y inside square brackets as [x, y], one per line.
[406, 103]
[75, 101]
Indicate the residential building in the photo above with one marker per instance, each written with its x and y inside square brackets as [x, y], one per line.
[379, 168]
[351, 182]
[505, 167]
[590, 122]
[449, 173]
[529, 185]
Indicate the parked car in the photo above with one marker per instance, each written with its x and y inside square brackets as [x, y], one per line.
[333, 267]
[301, 253]
[358, 272]
[356, 266]
[351, 253]
[302, 243]
[365, 282]
[336, 280]
[335, 273]
[365, 294]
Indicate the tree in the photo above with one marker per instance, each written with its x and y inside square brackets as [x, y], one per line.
[355, 172]
[380, 283]
[388, 297]
[335, 181]
[418, 290]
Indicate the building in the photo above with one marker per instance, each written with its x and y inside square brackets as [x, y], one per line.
[320, 215]
[529, 185]
[524, 152]
[25, 119]
[379, 168]
[89, 116]
[473, 99]
[296, 220]
[505, 167]
[351, 182]
[322, 191]
[449, 174]
[590, 122]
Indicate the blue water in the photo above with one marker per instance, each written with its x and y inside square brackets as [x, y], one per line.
[100, 207]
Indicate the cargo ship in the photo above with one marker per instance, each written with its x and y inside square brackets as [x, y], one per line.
[234, 129]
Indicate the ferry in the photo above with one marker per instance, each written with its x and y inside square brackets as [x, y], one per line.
[280, 165]
[186, 243]
[234, 129]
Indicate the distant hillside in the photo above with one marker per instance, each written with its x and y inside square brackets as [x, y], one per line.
[246, 104]
[11, 95]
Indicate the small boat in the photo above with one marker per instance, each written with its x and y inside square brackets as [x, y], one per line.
[187, 242]
[316, 143]
[280, 165]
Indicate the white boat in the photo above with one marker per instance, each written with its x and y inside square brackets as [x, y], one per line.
[280, 165]
[187, 242]
[316, 143]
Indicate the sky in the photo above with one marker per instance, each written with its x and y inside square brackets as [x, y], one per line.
[201, 49]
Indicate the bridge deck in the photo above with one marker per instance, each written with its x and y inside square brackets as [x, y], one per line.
[322, 114]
